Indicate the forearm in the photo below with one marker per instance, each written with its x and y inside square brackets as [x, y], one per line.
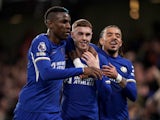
[130, 90]
[49, 73]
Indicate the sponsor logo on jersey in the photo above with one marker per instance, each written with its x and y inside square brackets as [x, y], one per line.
[77, 80]
[59, 65]
[40, 54]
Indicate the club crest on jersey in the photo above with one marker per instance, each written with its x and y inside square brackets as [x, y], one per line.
[123, 69]
[42, 47]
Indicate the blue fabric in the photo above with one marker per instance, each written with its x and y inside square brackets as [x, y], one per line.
[116, 108]
[80, 95]
[45, 74]
[23, 115]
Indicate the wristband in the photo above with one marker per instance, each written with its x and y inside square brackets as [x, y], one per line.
[77, 63]
[119, 78]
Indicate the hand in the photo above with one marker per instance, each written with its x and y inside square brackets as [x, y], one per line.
[90, 59]
[93, 72]
[110, 71]
[92, 50]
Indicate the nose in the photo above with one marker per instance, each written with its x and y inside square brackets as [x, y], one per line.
[68, 25]
[84, 37]
[114, 36]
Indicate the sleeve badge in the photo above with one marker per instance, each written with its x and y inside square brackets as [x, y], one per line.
[42, 47]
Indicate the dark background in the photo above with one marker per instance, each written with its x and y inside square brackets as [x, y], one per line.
[22, 18]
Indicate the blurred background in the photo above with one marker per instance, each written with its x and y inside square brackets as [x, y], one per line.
[139, 20]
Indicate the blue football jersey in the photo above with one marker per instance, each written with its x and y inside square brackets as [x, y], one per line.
[80, 95]
[116, 107]
[45, 72]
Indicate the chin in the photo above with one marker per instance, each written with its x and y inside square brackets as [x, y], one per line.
[112, 51]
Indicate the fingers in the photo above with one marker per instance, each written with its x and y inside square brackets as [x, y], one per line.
[92, 50]
[111, 65]
[93, 72]
[97, 73]
[83, 76]
[92, 61]
[109, 70]
[106, 68]
[88, 55]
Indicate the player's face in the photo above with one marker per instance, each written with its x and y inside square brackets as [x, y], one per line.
[112, 40]
[82, 37]
[61, 25]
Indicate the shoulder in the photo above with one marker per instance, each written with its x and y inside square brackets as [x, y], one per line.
[41, 42]
[103, 59]
[40, 38]
[98, 49]
[123, 60]
[94, 46]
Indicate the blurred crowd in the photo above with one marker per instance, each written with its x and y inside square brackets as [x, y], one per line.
[146, 60]
[147, 72]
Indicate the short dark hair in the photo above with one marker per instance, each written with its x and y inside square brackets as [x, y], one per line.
[54, 9]
[110, 26]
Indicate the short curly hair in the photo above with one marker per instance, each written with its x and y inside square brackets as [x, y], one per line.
[54, 9]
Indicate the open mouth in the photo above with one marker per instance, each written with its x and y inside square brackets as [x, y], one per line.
[113, 43]
[84, 42]
[68, 32]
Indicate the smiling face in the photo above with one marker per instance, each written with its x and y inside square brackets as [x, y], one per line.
[82, 37]
[111, 40]
[82, 34]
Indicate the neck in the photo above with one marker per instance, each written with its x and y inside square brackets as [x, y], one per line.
[111, 53]
[52, 37]
[79, 52]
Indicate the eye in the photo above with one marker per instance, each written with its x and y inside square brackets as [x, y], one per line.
[80, 33]
[118, 35]
[88, 34]
[109, 34]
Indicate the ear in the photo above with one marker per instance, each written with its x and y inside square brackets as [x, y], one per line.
[48, 23]
[101, 41]
[72, 35]
[121, 43]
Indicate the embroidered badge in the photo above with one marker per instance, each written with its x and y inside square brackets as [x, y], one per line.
[123, 69]
[42, 47]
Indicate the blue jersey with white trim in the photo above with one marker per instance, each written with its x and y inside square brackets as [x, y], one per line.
[116, 107]
[80, 95]
[45, 72]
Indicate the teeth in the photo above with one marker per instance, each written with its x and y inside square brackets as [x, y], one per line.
[84, 42]
[113, 42]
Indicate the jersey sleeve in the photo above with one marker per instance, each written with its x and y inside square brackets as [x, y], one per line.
[48, 73]
[40, 54]
[70, 45]
[131, 89]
